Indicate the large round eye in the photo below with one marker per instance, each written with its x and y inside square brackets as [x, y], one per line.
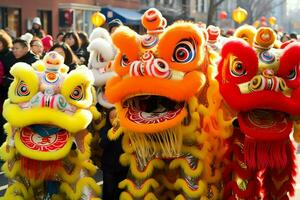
[77, 93]
[124, 61]
[184, 52]
[22, 89]
[292, 75]
[238, 69]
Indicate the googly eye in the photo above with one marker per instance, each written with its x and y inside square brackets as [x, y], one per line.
[22, 89]
[184, 52]
[124, 61]
[292, 75]
[238, 69]
[77, 93]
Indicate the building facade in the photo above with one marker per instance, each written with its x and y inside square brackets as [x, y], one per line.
[56, 15]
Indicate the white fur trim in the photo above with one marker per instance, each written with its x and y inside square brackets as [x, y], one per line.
[100, 33]
[102, 78]
[103, 47]
[103, 102]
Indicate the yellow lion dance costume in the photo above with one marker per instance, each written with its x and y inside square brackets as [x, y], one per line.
[157, 94]
[46, 152]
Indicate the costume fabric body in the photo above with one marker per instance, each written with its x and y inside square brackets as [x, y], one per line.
[261, 84]
[158, 94]
[46, 152]
[105, 153]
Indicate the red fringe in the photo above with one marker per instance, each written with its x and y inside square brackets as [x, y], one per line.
[233, 157]
[272, 177]
[39, 170]
[263, 154]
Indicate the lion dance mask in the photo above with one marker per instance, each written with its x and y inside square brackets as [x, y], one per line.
[46, 152]
[262, 84]
[156, 94]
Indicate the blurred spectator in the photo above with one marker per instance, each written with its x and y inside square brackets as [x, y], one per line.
[70, 58]
[285, 37]
[113, 171]
[59, 37]
[229, 32]
[113, 25]
[82, 53]
[47, 43]
[20, 53]
[294, 35]
[5, 45]
[73, 40]
[37, 47]
[37, 28]
[11, 32]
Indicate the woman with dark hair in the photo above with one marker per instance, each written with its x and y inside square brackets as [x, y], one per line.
[73, 40]
[70, 58]
[5, 45]
[59, 37]
[83, 54]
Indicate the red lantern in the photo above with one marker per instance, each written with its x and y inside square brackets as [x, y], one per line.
[262, 19]
[223, 15]
[264, 24]
[68, 17]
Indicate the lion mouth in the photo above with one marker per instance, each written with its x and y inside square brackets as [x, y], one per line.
[263, 124]
[151, 109]
[43, 142]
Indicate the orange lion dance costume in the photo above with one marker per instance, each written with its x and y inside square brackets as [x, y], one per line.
[263, 85]
[157, 95]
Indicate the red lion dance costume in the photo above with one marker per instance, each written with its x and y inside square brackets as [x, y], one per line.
[262, 84]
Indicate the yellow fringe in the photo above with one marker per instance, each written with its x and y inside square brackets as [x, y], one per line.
[182, 184]
[85, 155]
[183, 164]
[18, 191]
[296, 133]
[150, 196]
[127, 159]
[114, 134]
[126, 196]
[126, 145]
[142, 190]
[83, 182]
[16, 168]
[195, 151]
[4, 155]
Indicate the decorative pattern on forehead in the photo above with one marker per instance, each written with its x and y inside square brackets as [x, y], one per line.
[149, 41]
[269, 59]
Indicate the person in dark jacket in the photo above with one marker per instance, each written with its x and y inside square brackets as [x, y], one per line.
[37, 28]
[113, 171]
[20, 53]
[82, 53]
